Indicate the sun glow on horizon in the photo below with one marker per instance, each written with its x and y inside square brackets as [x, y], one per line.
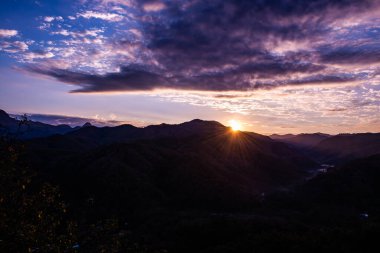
[235, 125]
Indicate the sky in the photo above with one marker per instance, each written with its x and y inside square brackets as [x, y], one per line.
[276, 66]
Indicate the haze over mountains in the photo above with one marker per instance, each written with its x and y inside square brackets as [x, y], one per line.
[199, 186]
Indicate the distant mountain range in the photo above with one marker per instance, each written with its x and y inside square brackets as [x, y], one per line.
[198, 161]
[192, 161]
[198, 186]
[320, 147]
[333, 149]
[345, 147]
[301, 140]
[26, 129]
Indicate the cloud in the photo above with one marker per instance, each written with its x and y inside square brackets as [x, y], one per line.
[31, 56]
[13, 47]
[332, 109]
[352, 55]
[83, 33]
[51, 18]
[48, 19]
[5, 33]
[128, 3]
[337, 109]
[128, 79]
[111, 17]
[63, 32]
[133, 78]
[324, 79]
[228, 45]
[153, 6]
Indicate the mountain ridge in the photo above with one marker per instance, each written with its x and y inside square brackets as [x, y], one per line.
[323, 148]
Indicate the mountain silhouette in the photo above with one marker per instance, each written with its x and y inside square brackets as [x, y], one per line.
[89, 137]
[345, 147]
[301, 140]
[26, 129]
[87, 124]
[197, 186]
[198, 161]
[338, 149]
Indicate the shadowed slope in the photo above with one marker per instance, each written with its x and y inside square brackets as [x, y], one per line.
[202, 163]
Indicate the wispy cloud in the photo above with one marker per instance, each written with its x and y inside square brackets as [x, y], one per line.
[154, 6]
[128, 3]
[31, 56]
[51, 18]
[111, 17]
[331, 109]
[14, 46]
[83, 33]
[5, 33]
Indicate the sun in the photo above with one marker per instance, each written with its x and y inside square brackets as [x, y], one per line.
[235, 125]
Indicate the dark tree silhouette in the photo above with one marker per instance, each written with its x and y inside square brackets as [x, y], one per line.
[33, 216]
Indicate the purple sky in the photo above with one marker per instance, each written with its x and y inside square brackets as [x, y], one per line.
[277, 66]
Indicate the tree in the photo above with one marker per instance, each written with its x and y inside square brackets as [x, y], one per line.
[32, 215]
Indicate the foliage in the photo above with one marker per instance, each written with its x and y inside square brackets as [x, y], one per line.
[33, 215]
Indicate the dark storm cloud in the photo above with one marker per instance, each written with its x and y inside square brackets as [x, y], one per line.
[128, 79]
[133, 78]
[211, 36]
[230, 45]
